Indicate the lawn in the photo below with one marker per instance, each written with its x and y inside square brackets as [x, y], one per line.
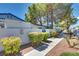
[70, 54]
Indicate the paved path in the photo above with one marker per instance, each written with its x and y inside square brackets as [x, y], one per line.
[61, 48]
[44, 49]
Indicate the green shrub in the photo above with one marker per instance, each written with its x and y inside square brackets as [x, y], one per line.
[54, 34]
[37, 37]
[45, 36]
[11, 45]
[70, 54]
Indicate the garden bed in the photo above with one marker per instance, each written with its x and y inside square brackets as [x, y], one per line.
[24, 49]
[61, 48]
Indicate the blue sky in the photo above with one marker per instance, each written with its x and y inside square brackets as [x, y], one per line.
[19, 9]
[76, 13]
[76, 9]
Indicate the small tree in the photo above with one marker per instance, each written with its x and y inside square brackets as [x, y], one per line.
[67, 21]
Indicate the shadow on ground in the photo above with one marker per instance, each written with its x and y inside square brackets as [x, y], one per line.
[43, 46]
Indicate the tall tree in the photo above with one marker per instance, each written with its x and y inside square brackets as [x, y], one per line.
[51, 12]
[31, 16]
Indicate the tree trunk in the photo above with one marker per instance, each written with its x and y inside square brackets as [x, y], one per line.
[69, 35]
[51, 19]
[47, 20]
[40, 18]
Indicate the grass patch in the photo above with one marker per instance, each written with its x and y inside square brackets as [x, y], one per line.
[70, 54]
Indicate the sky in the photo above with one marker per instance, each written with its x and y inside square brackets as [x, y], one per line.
[19, 9]
[76, 9]
[76, 13]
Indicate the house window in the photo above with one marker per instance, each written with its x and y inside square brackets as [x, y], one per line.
[7, 16]
[2, 25]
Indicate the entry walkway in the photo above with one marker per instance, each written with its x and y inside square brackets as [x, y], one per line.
[44, 49]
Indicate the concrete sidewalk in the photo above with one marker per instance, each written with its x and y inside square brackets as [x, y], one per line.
[44, 49]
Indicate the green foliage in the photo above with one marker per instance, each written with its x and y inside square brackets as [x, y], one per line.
[45, 36]
[70, 54]
[37, 37]
[38, 12]
[54, 33]
[30, 17]
[68, 19]
[11, 45]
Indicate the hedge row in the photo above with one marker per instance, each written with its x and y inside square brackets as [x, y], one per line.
[37, 37]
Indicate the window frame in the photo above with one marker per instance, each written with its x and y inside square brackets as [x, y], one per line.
[2, 25]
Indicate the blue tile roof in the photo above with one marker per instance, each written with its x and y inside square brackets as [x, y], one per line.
[17, 18]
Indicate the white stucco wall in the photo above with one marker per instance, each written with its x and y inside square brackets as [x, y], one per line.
[14, 28]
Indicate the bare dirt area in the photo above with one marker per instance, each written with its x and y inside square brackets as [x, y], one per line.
[60, 48]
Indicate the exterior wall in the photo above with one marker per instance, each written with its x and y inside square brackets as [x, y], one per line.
[17, 28]
[14, 28]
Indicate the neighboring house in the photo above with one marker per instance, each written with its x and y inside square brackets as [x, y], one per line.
[10, 25]
[10, 21]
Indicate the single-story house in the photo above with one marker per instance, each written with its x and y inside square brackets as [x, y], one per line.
[11, 25]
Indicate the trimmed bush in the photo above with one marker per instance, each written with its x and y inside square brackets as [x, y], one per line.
[11, 45]
[54, 34]
[45, 36]
[37, 37]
